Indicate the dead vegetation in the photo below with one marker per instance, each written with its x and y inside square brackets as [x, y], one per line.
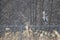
[30, 35]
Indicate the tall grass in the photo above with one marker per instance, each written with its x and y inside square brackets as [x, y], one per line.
[31, 35]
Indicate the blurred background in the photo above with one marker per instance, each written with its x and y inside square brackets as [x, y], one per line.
[36, 12]
[29, 19]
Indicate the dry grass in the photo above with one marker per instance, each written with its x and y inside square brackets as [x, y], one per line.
[30, 35]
